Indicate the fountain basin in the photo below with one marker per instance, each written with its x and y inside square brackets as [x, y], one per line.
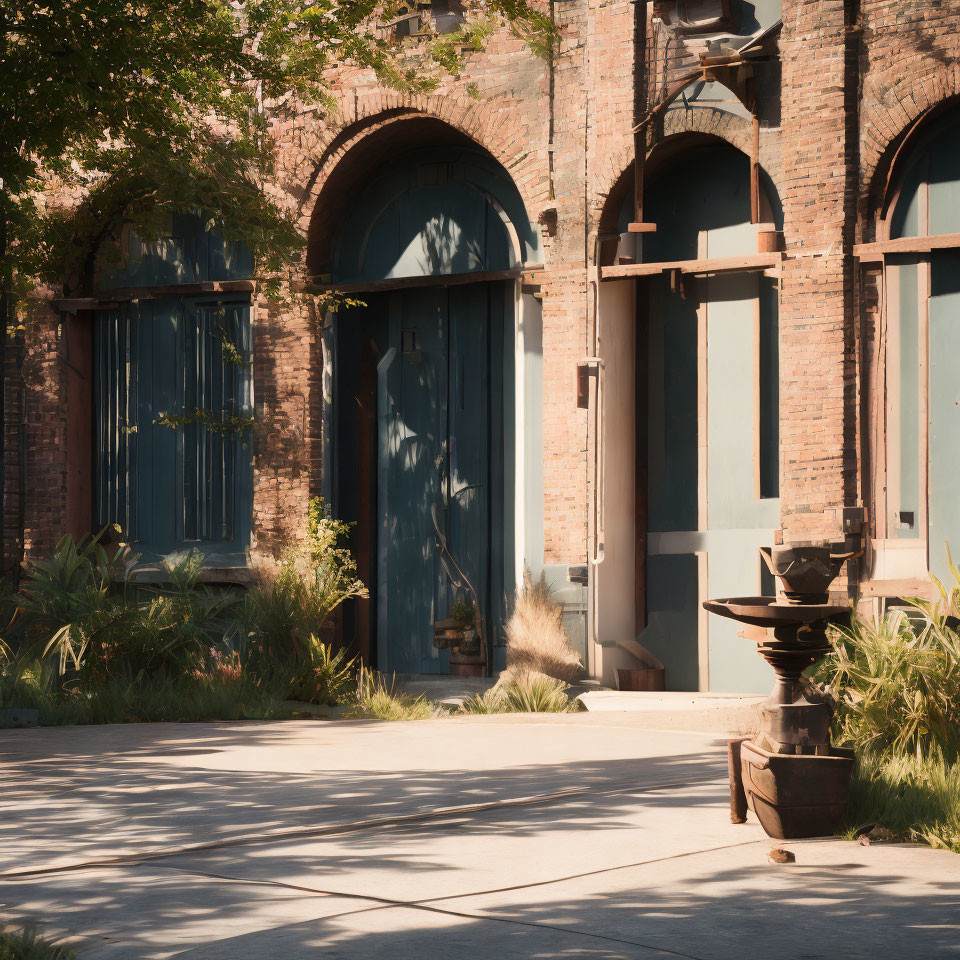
[768, 612]
[795, 796]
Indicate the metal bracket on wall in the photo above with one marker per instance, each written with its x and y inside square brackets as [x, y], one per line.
[586, 368]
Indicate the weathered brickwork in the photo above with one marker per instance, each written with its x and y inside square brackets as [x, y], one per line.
[287, 438]
[36, 470]
[853, 80]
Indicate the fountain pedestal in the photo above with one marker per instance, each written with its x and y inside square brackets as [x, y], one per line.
[795, 781]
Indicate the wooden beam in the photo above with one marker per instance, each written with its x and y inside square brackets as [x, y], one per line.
[874, 252]
[76, 304]
[401, 283]
[182, 289]
[638, 227]
[111, 298]
[899, 589]
[746, 263]
[153, 573]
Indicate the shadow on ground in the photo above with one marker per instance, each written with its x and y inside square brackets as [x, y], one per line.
[687, 884]
[73, 807]
[749, 910]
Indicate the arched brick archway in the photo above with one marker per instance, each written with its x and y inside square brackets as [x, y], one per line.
[349, 154]
[403, 354]
[680, 130]
[891, 122]
[616, 164]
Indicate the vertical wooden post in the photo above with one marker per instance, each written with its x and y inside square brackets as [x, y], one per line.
[639, 154]
[641, 390]
[641, 65]
[755, 164]
[738, 798]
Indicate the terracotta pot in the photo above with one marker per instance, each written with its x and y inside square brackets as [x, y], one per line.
[769, 241]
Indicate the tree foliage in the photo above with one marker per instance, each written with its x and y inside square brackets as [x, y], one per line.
[137, 107]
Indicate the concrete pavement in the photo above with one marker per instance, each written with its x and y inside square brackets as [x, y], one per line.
[555, 836]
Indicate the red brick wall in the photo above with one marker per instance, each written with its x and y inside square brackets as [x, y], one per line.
[36, 467]
[287, 434]
[855, 78]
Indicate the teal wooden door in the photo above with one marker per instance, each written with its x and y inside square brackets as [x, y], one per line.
[944, 436]
[435, 458]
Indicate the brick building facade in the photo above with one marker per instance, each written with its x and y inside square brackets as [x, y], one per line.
[823, 102]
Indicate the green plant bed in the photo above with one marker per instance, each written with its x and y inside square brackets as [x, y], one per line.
[83, 643]
[156, 699]
[895, 681]
[26, 945]
[907, 799]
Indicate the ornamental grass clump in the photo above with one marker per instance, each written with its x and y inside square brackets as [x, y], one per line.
[525, 693]
[27, 945]
[537, 693]
[536, 640]
[381, 698]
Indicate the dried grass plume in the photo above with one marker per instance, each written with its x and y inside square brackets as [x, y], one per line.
[536, 640]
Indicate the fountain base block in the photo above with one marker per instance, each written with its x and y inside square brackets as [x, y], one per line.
[795, 796]
[797, 724]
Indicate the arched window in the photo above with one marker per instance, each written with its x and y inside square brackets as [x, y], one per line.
[436, 214]
[916, 487]
[173, 394]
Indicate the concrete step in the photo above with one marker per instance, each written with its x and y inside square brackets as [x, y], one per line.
[730, 714]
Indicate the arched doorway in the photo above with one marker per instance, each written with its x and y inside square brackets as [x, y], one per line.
[918, 514]
[424, 390]
[705, 384]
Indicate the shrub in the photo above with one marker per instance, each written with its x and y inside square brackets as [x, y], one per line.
[536, 640]
[286, 612]
[100, 631]
[896, 681]
[382, 699]
[31, 683]
[69, 593]
[325, 675]
[26, 945]
[93, 647]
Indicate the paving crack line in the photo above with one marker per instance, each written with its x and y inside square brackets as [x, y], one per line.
[356, 826]
[429, 904]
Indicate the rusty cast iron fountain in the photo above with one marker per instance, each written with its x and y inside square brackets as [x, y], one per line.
[789, 775]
